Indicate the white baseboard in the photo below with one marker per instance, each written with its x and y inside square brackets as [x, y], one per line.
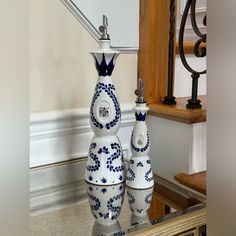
[58, 136]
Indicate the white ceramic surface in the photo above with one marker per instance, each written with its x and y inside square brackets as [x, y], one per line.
[139, 174]
[105, 165]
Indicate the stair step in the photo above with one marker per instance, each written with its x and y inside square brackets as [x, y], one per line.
[195, 181]
[179, 112]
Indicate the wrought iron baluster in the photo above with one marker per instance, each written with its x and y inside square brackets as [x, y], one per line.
[194, 102]
[170, 99]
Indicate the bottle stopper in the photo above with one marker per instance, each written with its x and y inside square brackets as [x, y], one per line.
[103, 29]
[139, 92]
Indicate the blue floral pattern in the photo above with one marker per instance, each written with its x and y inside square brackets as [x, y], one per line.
[131, 198]
[139, 210]
[149, 179]
[143, 149]
[103, 150]
[112, 211]
[148, 198]
[115, 209]
[140, 164]
[114, 156]
[95, 159]
[107, 88]
[131, 172]
[96, 201]
[104, 215]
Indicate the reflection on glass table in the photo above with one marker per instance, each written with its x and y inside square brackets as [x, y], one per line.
[168, 208]
[106, 204]
[139, 203]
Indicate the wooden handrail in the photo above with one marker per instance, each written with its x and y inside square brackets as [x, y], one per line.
[188, 47]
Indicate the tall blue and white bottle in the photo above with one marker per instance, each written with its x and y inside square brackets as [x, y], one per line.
[139, 174]
[105, 162]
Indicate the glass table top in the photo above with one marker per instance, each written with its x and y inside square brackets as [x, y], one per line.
[117, 210]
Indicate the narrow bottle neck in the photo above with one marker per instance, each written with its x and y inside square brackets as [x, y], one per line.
[105, 45]
[141, 111]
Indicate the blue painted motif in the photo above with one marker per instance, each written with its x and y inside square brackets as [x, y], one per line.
[107, 88]
[143, 149]
[140, 164]
[140, 117]
[114, 146]
[104, 180]
[139, 210]
[121, 233]
[148, 162]
[148, 198]
[94, 158]
[114, 156]
[104, 215]
[121, 188]
[103, 150]
[110, 207]
[115, 209]
[104, 190]
[131, 198]
[149, 179]
[104, 69]
[130, 178]
[96, 201]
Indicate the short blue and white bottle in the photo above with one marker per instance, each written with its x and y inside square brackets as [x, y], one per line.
[139, 173]
[105, 163]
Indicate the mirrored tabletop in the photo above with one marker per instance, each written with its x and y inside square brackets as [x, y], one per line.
[120, 210]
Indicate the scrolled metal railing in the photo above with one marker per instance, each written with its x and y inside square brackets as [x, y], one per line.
[170, 99]
[199, 51]
[194, 102]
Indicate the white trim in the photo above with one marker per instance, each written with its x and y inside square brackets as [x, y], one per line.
[197, 149]
[189, 27]
[90, 27]
[57, 136]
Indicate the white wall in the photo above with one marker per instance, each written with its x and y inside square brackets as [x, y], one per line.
[123, 19]
[201, 10]
[63, 74]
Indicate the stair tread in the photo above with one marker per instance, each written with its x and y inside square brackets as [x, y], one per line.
[195, 181]
[179, 112]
